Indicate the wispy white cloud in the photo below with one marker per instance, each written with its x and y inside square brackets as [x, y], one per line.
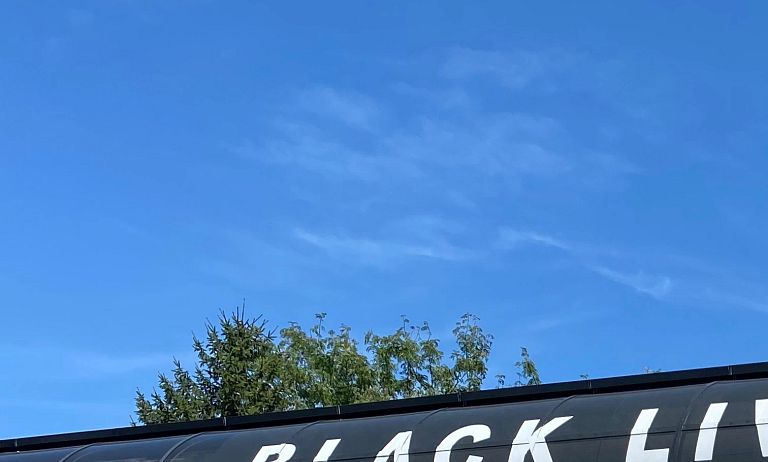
[695, 282]
[547, 323]
[426, 227]
[657, 286]
[447, 134]
[514, 69]
[511, 238]
[490, 145]
[244, 257]
[719, 297]
[459, 148]
[351, 108]
[555, 320]
[303, 146]
[612, 163]
[381, 252]
[500, 146]
[454, 97]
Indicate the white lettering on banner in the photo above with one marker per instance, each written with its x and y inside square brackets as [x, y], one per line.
[705, 444]
[325, 452]
[636, 451]
[533, 440]
[477, 432]
[398, 447]
[761, 422]
[284, 452]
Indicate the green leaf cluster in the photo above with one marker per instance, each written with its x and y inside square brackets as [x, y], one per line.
[245, 368]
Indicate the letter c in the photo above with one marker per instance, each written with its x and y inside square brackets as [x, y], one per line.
[477, 432]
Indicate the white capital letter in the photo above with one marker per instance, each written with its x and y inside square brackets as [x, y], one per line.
[529, 438]
[705, 445]
[325, 452]
[636, 451]
[398, 447]
[284, 452]
[761, 422]
[477, 432]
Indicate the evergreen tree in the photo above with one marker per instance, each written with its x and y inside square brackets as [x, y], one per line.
[245, 368]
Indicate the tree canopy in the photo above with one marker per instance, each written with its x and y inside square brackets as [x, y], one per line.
[245, 367]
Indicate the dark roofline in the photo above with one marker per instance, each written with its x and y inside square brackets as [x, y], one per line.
[401, 406]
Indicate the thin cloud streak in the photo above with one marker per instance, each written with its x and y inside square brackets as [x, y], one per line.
[302, 146]
[514, 70]
[463, 151]
[350, 108]
[511, 238]
[508, 145]
[424, 237]
[497, 146]
[656, 286]
[740, 301]
[434, 145]
[377, 252]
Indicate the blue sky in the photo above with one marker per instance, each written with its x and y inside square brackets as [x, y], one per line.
[587, 177]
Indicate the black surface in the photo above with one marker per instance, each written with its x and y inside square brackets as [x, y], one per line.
[46, 455]
[150, 450]
[603, 409]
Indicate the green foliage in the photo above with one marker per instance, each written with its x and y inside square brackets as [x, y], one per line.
[244, 368]
[324, 367]
[528, 374]
[472, 355]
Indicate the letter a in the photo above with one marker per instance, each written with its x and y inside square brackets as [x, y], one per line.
[398, 448]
